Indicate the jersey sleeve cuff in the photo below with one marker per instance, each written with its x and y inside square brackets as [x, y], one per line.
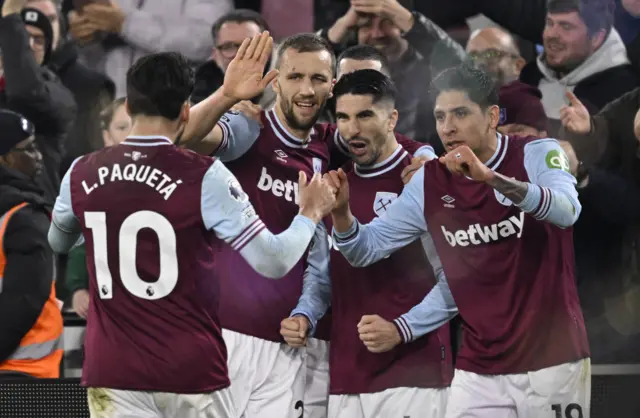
[224, 142]
[247, 235]
[348, 235]
[312, 324]
[537, 202]
[403, 329]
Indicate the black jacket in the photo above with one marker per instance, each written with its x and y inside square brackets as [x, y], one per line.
[92, 92]
[36, 93]
[29, 271]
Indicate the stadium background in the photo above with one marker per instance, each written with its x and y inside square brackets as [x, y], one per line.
[614, 386]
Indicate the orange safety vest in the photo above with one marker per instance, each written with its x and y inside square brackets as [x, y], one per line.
[40, 351]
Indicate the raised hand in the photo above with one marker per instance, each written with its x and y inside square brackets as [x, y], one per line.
[464, 162]
[410, 170]
[13, 6]
[575, 117]
[249, 109]
[316, 197]
[244, 79]
[294, 330]
[378, 334]
[338, 181]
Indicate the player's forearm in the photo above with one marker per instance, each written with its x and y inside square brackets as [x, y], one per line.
[204, 116]
[512, 189]
[273, 256]
[436, 309]
[543, 203]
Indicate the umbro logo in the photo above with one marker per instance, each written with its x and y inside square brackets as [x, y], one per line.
[281, 155]
[448, 201]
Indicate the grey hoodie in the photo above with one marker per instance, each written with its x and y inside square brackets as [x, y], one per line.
[611, 54]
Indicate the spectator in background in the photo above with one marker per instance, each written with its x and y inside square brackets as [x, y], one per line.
[416, 50]
[31, 328]
[521, 111]
[116, 125]
[116, 34]
[607, 234]
[582, 54]
[228, 32]
[91, 90]
[496, 51]
[30, 89]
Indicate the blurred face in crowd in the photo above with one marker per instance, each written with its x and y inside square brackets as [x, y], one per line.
[495, 51]
[632, 7]
[49, 9]
[460, 121]
[349, 65]
[566, 41]
[24, 157]
[516, 129]
[38, 43]
[382, 34]
[119, 127]
[366, 126]
[303, 87]
[229, 39]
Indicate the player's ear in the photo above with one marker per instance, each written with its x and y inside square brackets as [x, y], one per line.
[126, 107]
[185, 111]
[333, 83]
[494, 116]
[275, 85]
[393, 120]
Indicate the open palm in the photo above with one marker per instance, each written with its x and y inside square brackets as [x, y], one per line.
[244, 79]
[575, 117]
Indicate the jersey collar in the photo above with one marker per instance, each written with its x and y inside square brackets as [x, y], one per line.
[382, 167]
[283, 133]
[147, 140]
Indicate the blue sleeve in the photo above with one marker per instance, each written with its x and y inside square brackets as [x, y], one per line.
[552, 194]
[227, 211]
[426, 151]
[316, 286]
[401, 224]
[239, 133]
[436, 309]
[65, 230]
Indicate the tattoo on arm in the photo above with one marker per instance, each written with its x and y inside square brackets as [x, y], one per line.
[512, 189]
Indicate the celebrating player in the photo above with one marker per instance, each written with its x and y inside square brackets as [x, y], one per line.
[151, 214]
[369, 377]
[499, 210]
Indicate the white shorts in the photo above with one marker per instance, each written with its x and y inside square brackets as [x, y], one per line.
[267, 378]
[316, 393]
[391, 403]
[114, 403]
[562, 391]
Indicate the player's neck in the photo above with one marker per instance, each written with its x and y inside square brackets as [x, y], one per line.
[154, 126]
[298, 133]
[485, 153]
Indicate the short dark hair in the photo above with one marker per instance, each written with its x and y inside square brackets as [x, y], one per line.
[475, 82]
[106, 116]
[159, 85]
[366, 53]
[239, 16]
[305, 42]
[596, 14]
[369, 83]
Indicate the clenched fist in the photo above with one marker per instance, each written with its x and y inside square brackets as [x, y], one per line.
[294, 330]
[378, 334]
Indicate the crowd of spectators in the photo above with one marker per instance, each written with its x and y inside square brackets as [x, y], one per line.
[568, 69]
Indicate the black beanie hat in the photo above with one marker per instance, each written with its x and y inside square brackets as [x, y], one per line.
[35, 17]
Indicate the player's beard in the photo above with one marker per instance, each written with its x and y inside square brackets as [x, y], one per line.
[376, 145]
[294, 123]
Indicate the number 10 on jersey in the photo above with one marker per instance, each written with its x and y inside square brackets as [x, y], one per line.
[127, 246]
